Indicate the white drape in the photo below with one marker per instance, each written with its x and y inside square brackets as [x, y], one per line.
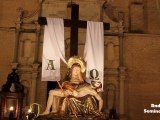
[94, 51]
[53, 49]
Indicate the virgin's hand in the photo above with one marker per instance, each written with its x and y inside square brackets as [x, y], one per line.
[68, 86]
[75, 93]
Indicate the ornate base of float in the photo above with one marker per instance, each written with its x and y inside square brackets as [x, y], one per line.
[71, 117]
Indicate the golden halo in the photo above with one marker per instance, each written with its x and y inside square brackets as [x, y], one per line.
[79, 60]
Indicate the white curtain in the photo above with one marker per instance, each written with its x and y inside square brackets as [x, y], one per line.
[94, 51]
[53, 49]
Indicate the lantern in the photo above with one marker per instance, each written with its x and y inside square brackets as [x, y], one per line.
[11, 105]
[12, 98]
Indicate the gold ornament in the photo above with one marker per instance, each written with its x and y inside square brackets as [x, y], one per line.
[79, 60]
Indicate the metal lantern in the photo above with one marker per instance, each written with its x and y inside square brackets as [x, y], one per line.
[11, 96]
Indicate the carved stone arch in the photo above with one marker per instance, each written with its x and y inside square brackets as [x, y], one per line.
[24, 44]
[136, 19]
[28, 48]
[110, 96]
[113, 15]
[110, 51]
[109, 10]
[26, 51]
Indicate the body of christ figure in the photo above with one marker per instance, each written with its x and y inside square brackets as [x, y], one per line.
[78, 96]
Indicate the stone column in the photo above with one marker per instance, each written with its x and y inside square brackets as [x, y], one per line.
[18, 30]
[15, 59]
[37, 42]
[122, 78]
[33, 83]
[122, 70]
[121, 63]
[15, 63]
[121, 36]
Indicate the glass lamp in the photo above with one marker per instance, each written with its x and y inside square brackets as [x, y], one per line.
[11, 96]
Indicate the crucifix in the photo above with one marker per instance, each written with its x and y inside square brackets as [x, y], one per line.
[74, 23]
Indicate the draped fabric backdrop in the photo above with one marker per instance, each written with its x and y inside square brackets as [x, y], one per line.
[94, 51]
[53, 49]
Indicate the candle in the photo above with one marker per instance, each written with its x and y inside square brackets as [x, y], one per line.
[11, 108]
[11, 114]
[29, 111]
[28, 114]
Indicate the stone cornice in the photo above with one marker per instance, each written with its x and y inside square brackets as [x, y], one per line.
[141, 35]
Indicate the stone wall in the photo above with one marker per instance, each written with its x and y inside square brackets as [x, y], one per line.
[18, 38]
[151, 11]
[8, 17]
[142, 83]
[141, 51]
[7, 40]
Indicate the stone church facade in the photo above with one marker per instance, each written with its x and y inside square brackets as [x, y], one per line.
[132, 48]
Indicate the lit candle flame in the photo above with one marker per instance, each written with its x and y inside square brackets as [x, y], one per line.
[29, 110]
[11, 108]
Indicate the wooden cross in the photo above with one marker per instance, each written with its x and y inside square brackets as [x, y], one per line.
[74, 23]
